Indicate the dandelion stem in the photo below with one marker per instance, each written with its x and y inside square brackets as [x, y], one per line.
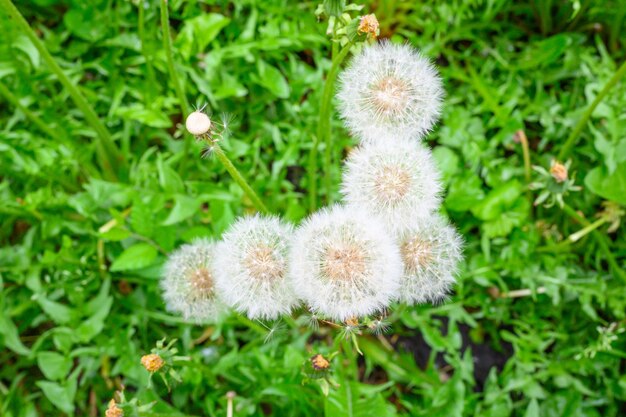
[236, 175]
[600, 239]
[587, 229]
[106, 148]
[323, 132]
[573, 137]
[178, 85]
[169, 55]
[141, 17]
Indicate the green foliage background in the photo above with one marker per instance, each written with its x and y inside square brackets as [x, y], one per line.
[81, 254]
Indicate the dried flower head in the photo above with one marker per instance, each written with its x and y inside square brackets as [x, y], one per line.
[152, 362]
[558, 171]
[344, 264]
[389, 91]
[251, 267]
[113, 410]
[397, 183]
[319, 362]
[198, 123]
[369, 26]
[188, 282]
[431, 251]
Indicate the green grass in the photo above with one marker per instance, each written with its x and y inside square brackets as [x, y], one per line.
[90, 208]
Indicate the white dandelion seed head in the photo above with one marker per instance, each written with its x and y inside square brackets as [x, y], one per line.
[198, 123]
[390, 91]
[431, 251]
[188, 282]
[398, 183]
[251, 267]
[343, 263]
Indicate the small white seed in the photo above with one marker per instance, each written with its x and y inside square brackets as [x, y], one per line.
[198, 123]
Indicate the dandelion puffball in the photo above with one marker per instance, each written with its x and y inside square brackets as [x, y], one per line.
[251, 267]
[343, 264]
[431, 251]
[198, 123]
[188, 282]
[389, 91]
[398, 183]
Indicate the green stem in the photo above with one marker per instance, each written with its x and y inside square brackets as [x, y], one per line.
[107, 150]
[236, 175]
[178, 86]
[573, 137]
[169, 55]
[323, 132]
[600, 239]
[587, 229]
[141, 29]
[11, 98]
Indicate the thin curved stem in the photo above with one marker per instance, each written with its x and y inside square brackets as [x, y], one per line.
[107, 149]
[601, 240]
[573, 137]
[11, 98]
[178, 85]
[141, 29]
[169, 55]
[323, 132]
[236, 175]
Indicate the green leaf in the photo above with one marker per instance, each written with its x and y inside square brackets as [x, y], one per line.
[272, 79]
[11, 336]
[94, 324]
[609, 186]
[54, 365]
[198, 32]
[62, 396]
[498, 201]
[184, 207]
[58, 312]
[138, 256]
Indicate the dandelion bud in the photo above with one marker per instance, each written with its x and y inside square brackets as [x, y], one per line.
[558, 171]
[251, 267]
[344, 264]
[431, 251]
[152, 362]
[198, 123]
[113, 410]
[188, 282]
[368, 25]
[320, 363]
[397, 183]
[389, 91]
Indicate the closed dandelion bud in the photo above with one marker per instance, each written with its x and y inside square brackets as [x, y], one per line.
[369, 26]
[152, 362]
[251, 267]
[343, 263]
[558, 171]
[319, 362]
[397, 182]
[113, 410]
[431, 251]
[389, 91]
[198, 123]
[188, 282]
